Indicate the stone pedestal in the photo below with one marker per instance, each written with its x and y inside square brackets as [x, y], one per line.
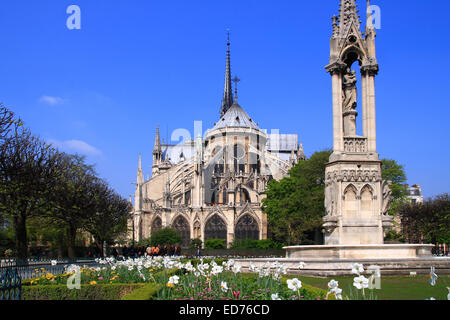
[354, 199]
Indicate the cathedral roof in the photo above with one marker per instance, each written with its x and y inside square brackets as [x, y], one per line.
[235, 117]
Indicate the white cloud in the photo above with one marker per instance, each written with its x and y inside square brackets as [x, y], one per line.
[76, 146]
[51, 100]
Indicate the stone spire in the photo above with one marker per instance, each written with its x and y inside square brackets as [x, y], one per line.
[157, 146]
[140, 175]
[157, 153]
[348, 14]
[227, 100]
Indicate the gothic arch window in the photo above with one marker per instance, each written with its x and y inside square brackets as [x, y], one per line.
[350, 202]
[215, 228]
[182, 226]
[156, 224]
[197, 230]
[367, 202]
[187, 198]
[247, 228]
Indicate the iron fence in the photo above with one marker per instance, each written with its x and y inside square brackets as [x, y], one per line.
[10, 285]
[33, 268]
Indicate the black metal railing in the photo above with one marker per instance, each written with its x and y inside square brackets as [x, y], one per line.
[33, 268]
[10, 285]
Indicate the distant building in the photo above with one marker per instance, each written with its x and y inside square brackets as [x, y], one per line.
[415, 193]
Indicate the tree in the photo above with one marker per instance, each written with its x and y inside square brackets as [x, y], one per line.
[392, 171]
[73, 196]
[295, 204]
[110, 214]
[28, 169]
[428, 221]
[7, 121]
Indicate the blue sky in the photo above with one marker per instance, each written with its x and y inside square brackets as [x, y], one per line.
[102, 90]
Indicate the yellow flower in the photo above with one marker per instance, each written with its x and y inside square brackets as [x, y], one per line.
[93, 282]
[170, 285]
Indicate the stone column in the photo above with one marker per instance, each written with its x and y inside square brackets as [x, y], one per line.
[368, 73]
[337, 112]
[372, 136]
[365, 103]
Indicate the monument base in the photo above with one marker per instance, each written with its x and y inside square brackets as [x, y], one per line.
[337, 260]
[361, 251]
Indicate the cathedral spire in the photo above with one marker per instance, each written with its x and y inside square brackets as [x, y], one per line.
[157, 146]
[348, 14]
[227, 100]
[140, 175]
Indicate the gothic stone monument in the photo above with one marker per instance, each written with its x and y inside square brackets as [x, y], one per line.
[357, 199]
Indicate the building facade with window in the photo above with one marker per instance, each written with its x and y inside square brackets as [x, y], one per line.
[414, 193]
[212, 187]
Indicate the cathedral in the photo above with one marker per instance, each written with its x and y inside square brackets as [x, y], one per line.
[212, 187]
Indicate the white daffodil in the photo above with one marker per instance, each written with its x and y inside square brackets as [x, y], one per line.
[130, 268]
[301, 265]
[283, 269]
[276, 276]
[223, 286]
[275, 296]
[216, 270]
[113, 268]
[294, 284]
[433, 276]
[333, 284]
[236, 269]
[54, 262]
[357, 268]
[337, 292]
[360, 282]
[174, 280]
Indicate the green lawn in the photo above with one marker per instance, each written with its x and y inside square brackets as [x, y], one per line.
[392, 287]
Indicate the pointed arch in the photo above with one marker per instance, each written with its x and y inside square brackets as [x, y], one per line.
[246, 228]
[350, 200]
[215, 228]
[181, 224]
[156, 224]
[367, 201]
[197, 230]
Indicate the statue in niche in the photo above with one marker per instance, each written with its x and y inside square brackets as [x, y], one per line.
[349, 102]
[387, 192]
[349, 92]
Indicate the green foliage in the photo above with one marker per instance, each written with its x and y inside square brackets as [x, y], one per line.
[393, 236]
[196, 243]
[215, 244]
[429, 220]
[165, 236]
[256, 244]
[87, 292]
[147, 292]
[394, 172]
[295, 205]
